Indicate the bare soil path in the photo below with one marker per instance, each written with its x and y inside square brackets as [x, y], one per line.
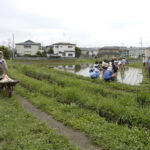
[76, 137]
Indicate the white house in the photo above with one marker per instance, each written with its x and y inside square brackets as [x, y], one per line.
[64, 49]
[28, 48]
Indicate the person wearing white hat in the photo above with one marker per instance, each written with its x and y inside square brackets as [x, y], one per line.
[3, 65]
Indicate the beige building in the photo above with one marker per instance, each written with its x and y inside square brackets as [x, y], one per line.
[89, 52]
[108, 52]
[28, 48]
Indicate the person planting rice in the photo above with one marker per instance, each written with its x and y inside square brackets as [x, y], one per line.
[3, 65]
[123, 62]
[114, 67]
[144, 61]
[109, 75]
[105, 65]
[95, 73]
[148, 62]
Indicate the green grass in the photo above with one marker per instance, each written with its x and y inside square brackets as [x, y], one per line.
[57, 61]
[114, 116]
[121, 110]
[107, 135]
[19, 130]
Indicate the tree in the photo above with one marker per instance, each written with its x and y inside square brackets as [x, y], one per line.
[44, 54]
[39, 54]
[6, 53]
[50, 51]
[77, 52]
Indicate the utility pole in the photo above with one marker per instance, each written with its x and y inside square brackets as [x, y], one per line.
[13, 49]
[141, 43]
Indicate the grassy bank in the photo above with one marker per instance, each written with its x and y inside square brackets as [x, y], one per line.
[114, 116]
[20, 130]
[58, 61]
[107, 135]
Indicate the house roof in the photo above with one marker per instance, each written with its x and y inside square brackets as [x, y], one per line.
[28, 42]
[112, 48]
[62, 43]
[89, 49]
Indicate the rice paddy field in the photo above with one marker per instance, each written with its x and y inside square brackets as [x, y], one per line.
[112, 115]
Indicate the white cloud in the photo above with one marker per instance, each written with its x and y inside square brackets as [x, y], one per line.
[85, 22]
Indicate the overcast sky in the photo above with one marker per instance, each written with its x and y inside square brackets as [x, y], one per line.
[84, 22]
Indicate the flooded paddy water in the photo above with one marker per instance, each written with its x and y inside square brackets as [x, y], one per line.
[129, 75]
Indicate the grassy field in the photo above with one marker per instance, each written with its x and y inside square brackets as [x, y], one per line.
[58, 61]
[19, 130]
[114, 116]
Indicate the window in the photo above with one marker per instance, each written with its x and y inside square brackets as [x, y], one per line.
[70, 54]
[27, 46]
[69, 46]
[56, 46]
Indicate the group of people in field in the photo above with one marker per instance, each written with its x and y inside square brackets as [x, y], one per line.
[107, 68]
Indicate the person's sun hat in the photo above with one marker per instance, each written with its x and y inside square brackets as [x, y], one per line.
[109, 68]
[96, 65]
[1, 52]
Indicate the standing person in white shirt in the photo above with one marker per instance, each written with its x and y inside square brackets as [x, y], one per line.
[144, 61]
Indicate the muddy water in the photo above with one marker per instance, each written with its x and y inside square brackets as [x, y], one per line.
[129, 75]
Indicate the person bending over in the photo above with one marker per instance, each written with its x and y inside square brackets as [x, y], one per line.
[108, 75]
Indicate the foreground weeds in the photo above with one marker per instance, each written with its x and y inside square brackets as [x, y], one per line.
[20, 130]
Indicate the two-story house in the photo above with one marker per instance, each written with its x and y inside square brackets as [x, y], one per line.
[64, 49]
[27, 48]
[89, 52]
[113, 51]
[109, 52]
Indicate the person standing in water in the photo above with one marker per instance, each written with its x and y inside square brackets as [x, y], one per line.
[3, 65]
[148, 62]
[144, 61]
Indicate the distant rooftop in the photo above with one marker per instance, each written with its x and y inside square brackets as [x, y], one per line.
[63, 43]
[89, 48]
[28, 42]
[113, 47]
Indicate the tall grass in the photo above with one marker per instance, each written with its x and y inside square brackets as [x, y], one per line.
[110, 136]
[122, 113]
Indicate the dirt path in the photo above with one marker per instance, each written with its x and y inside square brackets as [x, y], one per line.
[76, 137]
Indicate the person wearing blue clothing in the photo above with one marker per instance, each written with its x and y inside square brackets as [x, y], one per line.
[148, 62]
[108, 75]
[95, 73]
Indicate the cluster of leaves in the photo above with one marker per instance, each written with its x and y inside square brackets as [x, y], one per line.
[41, 54]
[7, 54]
